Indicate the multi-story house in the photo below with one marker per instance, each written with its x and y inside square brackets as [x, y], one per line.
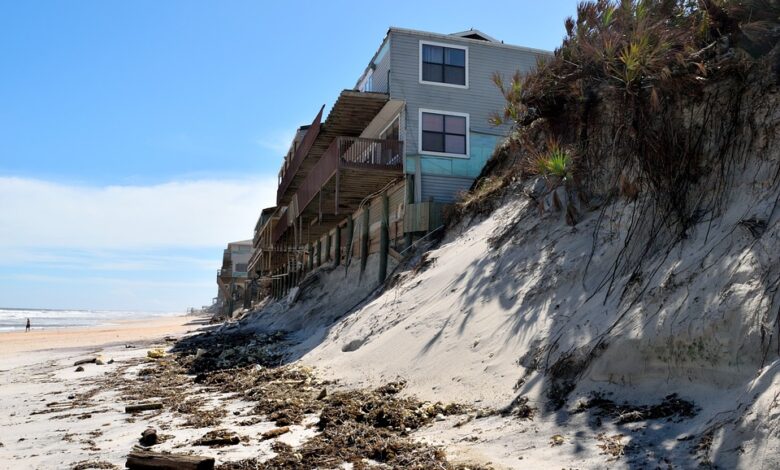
[233, 275]
[393, 151]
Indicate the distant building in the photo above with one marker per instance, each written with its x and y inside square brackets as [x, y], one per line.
[232, 278]
[392, 153]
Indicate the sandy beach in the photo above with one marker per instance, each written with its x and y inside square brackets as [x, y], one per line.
[12, 344]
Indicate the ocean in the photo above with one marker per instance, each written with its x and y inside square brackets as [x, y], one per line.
[14, 319]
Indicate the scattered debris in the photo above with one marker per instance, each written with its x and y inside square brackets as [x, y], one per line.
[611, 445]
[671, 406]
[556, 440]
[80, 369]
[94, 465]
[218, 438]
[519, 408]
[149, 437]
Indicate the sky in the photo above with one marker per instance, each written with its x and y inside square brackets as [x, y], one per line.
[138, 138]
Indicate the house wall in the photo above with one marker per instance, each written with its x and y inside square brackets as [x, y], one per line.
[481, 99]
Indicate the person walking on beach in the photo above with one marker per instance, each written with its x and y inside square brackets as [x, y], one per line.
[28, 326]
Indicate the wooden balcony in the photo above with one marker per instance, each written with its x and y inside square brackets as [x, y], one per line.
[350, 115]
[351, 169]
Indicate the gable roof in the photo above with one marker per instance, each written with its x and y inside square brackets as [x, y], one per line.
[475, 34]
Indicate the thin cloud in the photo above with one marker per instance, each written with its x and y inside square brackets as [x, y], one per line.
[182, 214]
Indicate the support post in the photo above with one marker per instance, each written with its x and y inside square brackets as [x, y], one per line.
[327, 247]
[337, 250]
[310, 249]
[384, 238]
[319, 252]
[350, 238]
[364, 245]
[409, 200]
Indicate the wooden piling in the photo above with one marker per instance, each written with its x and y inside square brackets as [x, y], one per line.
[327, 247]
[337, 250]
[350, 239]
[364, 240]
[384, 238]
[319, 252]
[409, 200]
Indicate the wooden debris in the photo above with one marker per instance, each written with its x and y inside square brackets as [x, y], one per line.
[91, 360]
[219, 437]
[143, 407]
[275, 432]
[139, 459]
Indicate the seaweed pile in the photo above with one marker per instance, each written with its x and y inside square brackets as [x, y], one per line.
[360, 427]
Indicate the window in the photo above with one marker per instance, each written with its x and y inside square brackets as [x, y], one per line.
[444, 133]
[367, 84]
[443, 64]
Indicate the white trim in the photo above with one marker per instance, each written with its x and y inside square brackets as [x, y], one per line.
[420, 150]
[442, 44]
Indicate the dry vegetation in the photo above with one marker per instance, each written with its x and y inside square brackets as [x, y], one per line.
[644, 96]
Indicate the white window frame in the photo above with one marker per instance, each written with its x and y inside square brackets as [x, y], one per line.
[443, 154]
[367, 84]
[442, 44]
[392, 121]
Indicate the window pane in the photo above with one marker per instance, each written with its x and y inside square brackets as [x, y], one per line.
[433, 54]
[433, 73]
[455, 57]
[455, 144]
[455, 125]
[432, 122]
[432, 142]
[454, 75]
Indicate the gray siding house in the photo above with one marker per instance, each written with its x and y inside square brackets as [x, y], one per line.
[448, 75]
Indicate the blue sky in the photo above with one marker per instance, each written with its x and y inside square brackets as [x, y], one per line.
[136, 138]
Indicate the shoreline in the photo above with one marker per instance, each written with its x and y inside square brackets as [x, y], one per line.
[65, 339]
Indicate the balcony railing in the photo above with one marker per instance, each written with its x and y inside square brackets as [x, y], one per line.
[343, 152]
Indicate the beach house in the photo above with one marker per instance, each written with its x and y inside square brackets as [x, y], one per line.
[377, 172]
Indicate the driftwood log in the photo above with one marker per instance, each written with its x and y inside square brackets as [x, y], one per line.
[139, 459]
[143, 407]
[275, 433]
[85, 361]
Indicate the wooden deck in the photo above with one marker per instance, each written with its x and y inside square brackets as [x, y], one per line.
[350, 115]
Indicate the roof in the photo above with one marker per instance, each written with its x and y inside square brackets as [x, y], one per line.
[461, 37]
[475, 34]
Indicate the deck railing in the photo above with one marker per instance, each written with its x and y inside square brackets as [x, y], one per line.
[376, 152]
[343, 152]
